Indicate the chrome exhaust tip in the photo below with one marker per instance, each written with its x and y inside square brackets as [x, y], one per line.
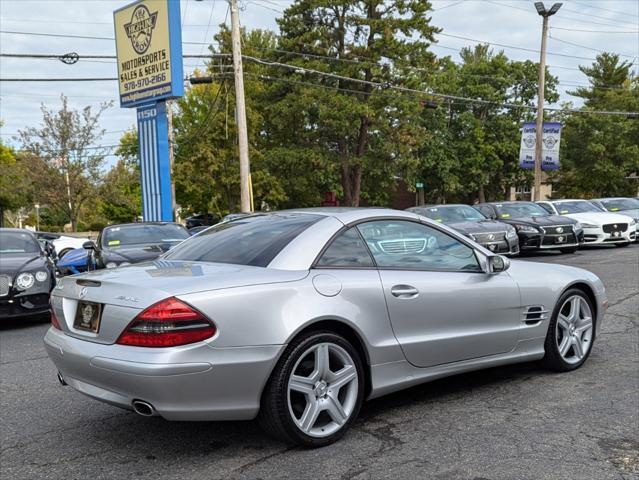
[61, 379]
[143, 408]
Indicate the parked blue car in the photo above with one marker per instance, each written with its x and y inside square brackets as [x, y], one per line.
[75, 261]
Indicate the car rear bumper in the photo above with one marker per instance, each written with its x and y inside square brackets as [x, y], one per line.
[196, 382]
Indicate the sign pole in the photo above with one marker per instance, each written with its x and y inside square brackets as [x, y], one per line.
[148, 41]
[540, 110]
[245, 195]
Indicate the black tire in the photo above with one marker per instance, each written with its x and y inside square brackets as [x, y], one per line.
[620, 245]
[274, 416]
[568, 250]
[553, 359]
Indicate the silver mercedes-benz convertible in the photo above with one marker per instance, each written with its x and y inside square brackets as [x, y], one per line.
[296, 317]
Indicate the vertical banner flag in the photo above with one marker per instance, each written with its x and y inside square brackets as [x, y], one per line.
[551, 136]
[155, 168]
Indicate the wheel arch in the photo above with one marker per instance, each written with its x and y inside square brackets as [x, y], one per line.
[349, 332]
[588, 291]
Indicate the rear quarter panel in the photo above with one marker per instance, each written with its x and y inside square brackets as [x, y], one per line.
[273, 314]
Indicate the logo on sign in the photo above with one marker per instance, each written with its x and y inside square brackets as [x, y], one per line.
[550, 142]
[529, 141]
[140, 28]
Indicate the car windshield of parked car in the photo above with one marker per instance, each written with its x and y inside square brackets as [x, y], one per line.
[18, 242]
[127, 235]
[452, 214]
[617, 204]
[576, 207]
[517, 210]
[254, 240]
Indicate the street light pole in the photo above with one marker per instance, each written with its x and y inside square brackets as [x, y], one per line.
[541, 10]
[245, 169]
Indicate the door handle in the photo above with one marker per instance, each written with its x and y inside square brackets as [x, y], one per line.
[404, 291]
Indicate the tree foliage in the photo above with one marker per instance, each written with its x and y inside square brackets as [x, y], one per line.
[66, 165]
[600, 153]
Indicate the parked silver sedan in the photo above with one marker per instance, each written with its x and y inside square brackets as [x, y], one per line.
[296, 317]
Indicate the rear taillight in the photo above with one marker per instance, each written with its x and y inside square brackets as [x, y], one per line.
[168, 323]
[55, 323]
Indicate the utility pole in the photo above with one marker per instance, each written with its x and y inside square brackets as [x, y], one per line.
[245, 169]
[541, 10]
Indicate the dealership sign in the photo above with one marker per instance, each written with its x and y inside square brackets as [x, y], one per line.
[148, 42]
[551, 136]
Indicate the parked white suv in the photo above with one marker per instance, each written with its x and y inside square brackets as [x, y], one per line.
[600, 227]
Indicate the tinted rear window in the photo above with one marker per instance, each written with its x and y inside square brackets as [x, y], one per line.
[254, 240]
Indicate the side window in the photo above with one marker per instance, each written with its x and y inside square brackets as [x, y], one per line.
[347, 250]
[486, 210]
[413, 246]
[546, 206]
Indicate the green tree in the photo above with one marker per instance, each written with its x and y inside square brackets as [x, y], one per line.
[471, 148]
[356, 132]
[206, 155]
[600, 152]
[71, 162]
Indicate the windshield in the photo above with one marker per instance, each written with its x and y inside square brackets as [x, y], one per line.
[18, 242]
[125, 235]
[616, 204]
[576, 207]
[520, 209]
[253, 240]
[452, 214]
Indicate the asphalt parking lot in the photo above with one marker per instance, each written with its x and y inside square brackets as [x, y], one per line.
[517, 422]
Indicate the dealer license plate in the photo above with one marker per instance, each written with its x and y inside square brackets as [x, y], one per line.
[87, 316]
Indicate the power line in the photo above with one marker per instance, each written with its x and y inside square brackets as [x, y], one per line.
[563, 17]
[226, 55]
[607, 9]
[595, 31]
[588, 48]
[512, 46]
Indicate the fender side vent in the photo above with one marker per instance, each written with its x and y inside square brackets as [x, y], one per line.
[534, 315]
[88, 283]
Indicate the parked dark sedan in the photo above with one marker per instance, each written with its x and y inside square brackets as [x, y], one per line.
[496, 236]
[27, 274]
[123, 244]
[537, 229]
[201, 219]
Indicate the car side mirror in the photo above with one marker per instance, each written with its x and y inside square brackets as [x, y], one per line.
[49, 249]
[89, 245]
[498, 264]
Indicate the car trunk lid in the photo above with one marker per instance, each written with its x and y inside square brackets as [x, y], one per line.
[122, 293]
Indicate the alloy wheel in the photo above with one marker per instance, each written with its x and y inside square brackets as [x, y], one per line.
[322, 390]
[574, 329]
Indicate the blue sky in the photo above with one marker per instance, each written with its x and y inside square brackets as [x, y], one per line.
[578, 31]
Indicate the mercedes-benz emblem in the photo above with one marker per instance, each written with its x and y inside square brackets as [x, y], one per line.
[615, 226]
[560, 230]
[491, 237]
[83, 292]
